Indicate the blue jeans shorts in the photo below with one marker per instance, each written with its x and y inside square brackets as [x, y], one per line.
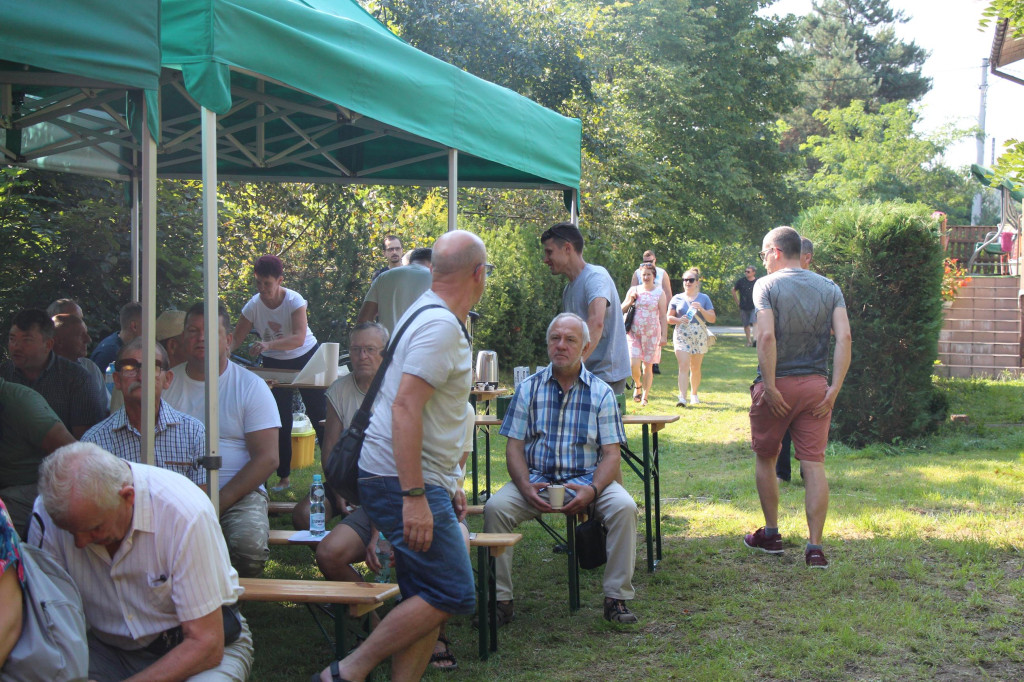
[442, 576]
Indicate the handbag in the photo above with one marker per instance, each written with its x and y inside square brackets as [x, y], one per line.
[52, 645]
[627, 317]
[591, 538]
[342, 468]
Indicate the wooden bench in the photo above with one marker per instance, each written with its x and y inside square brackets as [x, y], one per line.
[279, 508]
[488, 546]
[349, 623]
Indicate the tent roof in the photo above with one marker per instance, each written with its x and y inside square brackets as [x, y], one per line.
[988, 178]
[311, 91]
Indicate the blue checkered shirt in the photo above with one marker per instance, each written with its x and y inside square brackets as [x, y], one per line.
[563, 430]
[179, 442]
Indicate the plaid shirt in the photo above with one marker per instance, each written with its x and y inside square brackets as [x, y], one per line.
[563, 430]
[179, 443]
[69, 390]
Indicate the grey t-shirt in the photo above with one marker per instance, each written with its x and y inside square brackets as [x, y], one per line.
[610, 360]
[802, 303]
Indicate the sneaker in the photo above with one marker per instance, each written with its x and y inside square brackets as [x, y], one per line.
[616, 611]
[757, 540]
[655, 369]
[681, 402]
[815, 558]
[694, 400]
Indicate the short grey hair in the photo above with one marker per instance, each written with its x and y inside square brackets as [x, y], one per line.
[577, 318]
[136, 344]
[806, 246]
[84, 470]
[385, 336]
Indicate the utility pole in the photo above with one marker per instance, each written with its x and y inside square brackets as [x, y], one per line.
[976, 206]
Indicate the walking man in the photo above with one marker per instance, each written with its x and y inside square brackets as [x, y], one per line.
[797, 310]
[743, 294]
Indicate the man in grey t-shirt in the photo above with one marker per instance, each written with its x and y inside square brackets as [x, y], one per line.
[592, 295]
[797, 311]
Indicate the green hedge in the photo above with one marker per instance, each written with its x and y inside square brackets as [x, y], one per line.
[887, 260]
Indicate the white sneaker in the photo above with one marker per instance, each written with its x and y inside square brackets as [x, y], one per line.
[681, 402]
[694, 400]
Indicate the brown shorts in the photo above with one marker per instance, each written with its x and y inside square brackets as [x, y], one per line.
[809, 433]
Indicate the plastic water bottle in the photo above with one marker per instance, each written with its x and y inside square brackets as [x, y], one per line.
[384, 557]
[317, 516]
[108, 379]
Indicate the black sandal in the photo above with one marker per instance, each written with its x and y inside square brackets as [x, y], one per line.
[445, 656]
[335, 674]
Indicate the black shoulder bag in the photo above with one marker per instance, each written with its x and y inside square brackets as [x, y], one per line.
[342, 468]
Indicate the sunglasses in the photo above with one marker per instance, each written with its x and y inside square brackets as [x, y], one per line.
[131, 368]
[689, 280]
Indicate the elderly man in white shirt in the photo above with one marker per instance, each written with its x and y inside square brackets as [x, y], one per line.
[144, 548]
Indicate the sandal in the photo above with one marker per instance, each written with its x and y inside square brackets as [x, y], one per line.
[636, 396]
[438, 658]
[335, 674]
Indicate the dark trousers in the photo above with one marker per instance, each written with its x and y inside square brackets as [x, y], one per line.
[316, 409]
[782, 464]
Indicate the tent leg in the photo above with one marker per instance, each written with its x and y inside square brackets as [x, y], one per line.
[574, 209]
[211, 322]
[147, 198]
[453, 188]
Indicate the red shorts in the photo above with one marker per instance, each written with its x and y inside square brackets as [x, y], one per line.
[809, 433]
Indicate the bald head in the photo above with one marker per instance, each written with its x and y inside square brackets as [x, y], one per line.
[457, 253]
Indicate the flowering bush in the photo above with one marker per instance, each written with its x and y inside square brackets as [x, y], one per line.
[954, 276]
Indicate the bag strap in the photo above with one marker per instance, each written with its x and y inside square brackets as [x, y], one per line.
[387, 355]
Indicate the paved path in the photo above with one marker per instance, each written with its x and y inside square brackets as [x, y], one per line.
[721, 329]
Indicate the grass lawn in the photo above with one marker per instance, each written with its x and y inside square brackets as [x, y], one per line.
[925, 540]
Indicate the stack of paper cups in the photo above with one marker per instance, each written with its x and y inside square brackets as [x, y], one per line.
[519, 374]
[330, 351]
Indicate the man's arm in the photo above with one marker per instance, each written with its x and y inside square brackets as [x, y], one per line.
[767, 359]
[595, 323]
[736, 296]
[666, 286]
[840, 361]
[368, 313]
[263, 457]
[202, 649]
[519, 474]
[57, 436]
[407, 440]
[607, 471]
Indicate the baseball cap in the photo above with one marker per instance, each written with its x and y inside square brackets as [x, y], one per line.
[170, 323]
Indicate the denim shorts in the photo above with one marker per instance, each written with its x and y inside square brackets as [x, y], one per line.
[442, 576]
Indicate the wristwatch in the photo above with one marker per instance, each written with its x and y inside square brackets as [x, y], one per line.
[414, 492]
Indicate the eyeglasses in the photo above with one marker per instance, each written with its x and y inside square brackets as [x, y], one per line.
[364, 350]
[647, 265]
[488, 268]
[130, 368]
[764, 253]
[689, 280]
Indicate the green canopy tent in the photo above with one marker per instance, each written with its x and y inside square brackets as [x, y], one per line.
[315, 91]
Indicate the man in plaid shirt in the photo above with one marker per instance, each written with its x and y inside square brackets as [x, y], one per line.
[563, 427]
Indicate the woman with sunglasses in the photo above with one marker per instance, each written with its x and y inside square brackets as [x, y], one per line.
[691, 337]
[286, 342]
[646, 334]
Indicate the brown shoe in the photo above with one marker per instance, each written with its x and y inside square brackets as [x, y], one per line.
[616, 611]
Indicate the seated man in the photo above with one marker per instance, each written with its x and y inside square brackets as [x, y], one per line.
[67, 388]
[180, 440]
[143, 546]
[106, 350]
[29, 430]
[71, 341]
[563, 427]
[248, 439]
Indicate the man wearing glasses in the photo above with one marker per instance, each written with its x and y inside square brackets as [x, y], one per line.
[180, 440]
[592, 295]
[393, 254]
[743, 294]
[797, 311]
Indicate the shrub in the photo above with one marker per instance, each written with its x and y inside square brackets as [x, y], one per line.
[887, 260]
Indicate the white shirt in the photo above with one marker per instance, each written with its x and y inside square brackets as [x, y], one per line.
[435, 350]
[171, 567]
[276, 323]
[345, 398]
[395, 290]
[246, 405]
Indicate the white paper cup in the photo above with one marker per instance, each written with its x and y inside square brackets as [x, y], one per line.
[556, 496]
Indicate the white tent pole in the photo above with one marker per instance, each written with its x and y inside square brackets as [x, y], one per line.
[211, 323]
[147, 179]
[453, 188]
[135, 224]
[574, 209]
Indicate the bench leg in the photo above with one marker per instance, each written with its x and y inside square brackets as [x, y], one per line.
[656, 473]
[483, 618]
[573, 562]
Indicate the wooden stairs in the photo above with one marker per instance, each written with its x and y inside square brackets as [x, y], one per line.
[981, 333]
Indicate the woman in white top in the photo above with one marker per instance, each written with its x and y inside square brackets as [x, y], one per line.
[279, 317]
[691, 337]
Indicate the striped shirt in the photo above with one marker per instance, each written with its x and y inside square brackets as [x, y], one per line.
[179, 442]
[68, 389]
[563, 430]
[171, 567]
